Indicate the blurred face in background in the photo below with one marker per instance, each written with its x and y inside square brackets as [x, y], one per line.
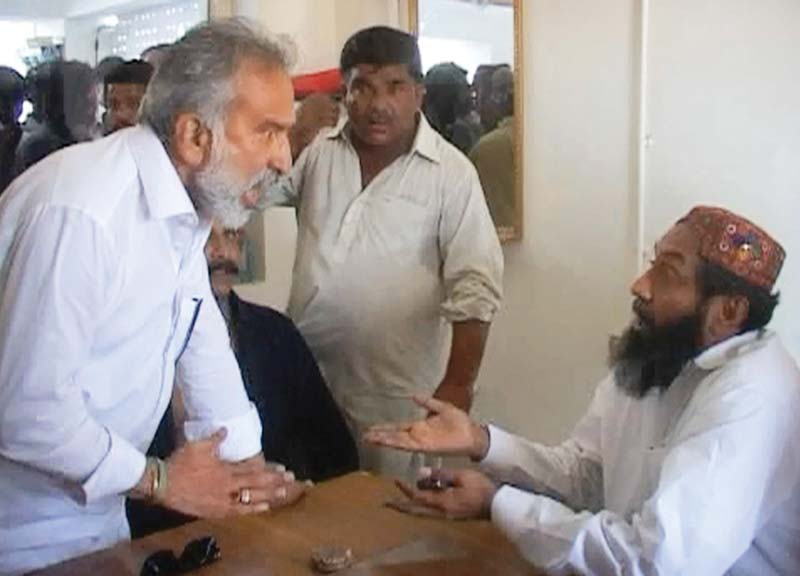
[80, 101]
[122, 105]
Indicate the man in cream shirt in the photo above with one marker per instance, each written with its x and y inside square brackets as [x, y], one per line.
[395, 247]
[105, 300]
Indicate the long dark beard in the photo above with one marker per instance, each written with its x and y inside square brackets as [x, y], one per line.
[646, 356]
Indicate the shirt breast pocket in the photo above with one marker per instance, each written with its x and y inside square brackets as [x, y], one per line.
[186, 320]
[413, 196]
[407, 224]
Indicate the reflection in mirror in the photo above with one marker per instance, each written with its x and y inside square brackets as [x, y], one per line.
[470, 55]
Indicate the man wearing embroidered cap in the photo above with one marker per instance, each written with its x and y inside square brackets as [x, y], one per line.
[688, 459]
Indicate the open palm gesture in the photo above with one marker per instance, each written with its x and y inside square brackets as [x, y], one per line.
[446, 431]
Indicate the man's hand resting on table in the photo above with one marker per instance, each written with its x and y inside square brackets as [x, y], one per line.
[469, 494]
[200, 484]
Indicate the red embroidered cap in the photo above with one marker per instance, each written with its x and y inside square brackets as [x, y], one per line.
[736, 244]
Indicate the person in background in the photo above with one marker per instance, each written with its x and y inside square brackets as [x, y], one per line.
[123, 90]
[101, 70]
[482, 90]
[319, 105]
[105, 67]
[35, 83]
[315, 112]
[493, 155]
[68, 99]
[448, 105]
[396, 247]
[688, 459]
[12, 95]
[105, 303]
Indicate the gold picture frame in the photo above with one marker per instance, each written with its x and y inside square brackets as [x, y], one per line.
[512, 233]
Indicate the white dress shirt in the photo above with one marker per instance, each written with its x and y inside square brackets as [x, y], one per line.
[703, 479]
[102, 282]
[381, 271]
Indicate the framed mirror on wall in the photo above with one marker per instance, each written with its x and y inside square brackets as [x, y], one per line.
[472, 59]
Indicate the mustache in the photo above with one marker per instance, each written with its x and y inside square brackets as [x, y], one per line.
[266, 177]
[226, 266]
[642, 312]
[646, 356]
[263, 182]
[380, 117]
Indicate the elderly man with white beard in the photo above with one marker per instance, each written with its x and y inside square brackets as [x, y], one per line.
[105, 301]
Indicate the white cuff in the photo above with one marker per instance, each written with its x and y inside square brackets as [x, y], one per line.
[502, 450]
[119, 471]
[243, 439]
[511, 510]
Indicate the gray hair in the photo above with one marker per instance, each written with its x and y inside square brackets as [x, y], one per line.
[197, 71]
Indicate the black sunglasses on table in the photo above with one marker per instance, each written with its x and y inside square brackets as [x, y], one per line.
[196, 554]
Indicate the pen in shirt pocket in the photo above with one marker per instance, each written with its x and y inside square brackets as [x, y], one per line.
[198, 302]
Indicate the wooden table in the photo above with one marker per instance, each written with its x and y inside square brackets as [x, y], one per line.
[348, 511]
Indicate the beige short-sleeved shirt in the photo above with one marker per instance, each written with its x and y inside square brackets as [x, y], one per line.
[380, 272]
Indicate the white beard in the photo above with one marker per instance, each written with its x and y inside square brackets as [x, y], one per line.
[217, 193]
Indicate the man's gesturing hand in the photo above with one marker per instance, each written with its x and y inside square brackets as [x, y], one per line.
[446, 430]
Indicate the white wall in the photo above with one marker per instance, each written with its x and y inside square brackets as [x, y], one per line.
[722, 90]
[566, 283]
[81, 31]
[723, 99]
[59, 9]
[319, 28]
[79, 38]
[724, 117]
[14, 36]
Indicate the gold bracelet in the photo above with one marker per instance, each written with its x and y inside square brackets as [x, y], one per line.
[151, 468]
[160, 488]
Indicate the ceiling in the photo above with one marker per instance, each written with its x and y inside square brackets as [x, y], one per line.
[52, 9]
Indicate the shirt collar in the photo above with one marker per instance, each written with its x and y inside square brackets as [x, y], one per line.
[165, 194]
[720, 354]
[425, 141]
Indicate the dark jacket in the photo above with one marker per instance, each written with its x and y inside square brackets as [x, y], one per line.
[302, 426]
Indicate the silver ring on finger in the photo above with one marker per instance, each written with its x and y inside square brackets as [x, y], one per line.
[245, 496]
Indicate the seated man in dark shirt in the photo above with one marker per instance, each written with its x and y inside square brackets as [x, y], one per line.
[302, 427]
